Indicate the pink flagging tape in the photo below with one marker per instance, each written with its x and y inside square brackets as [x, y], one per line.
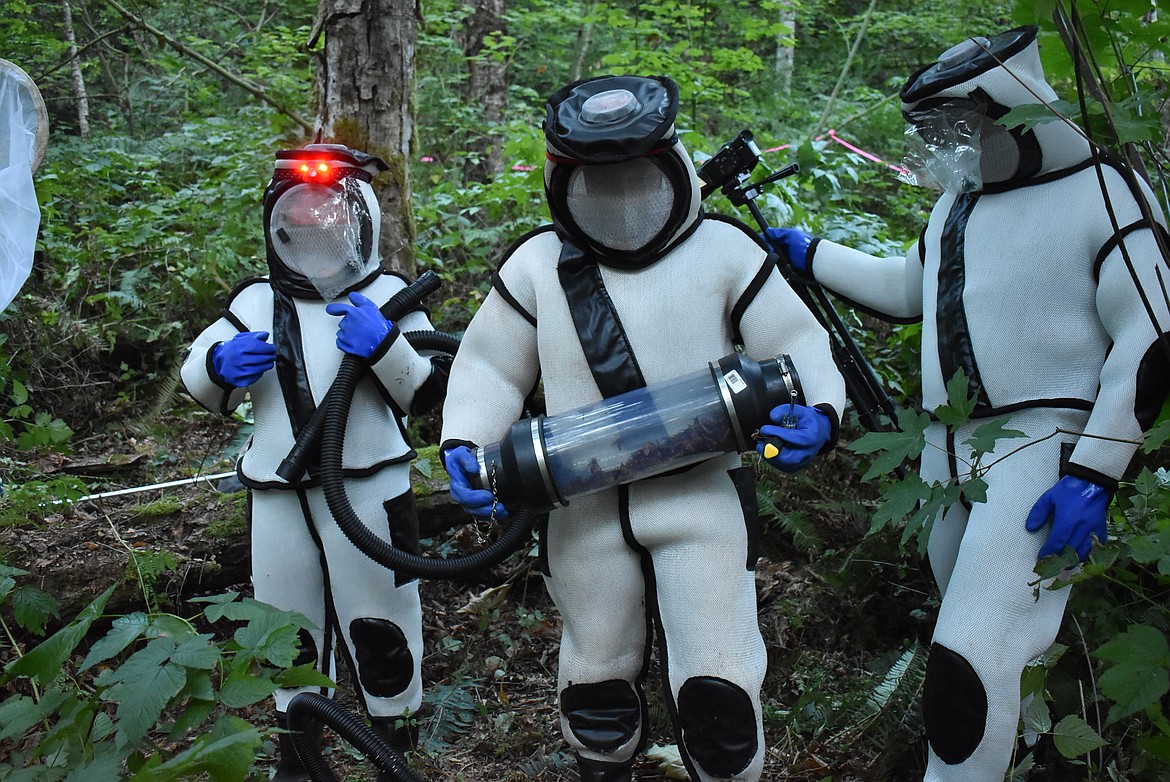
[832, 136]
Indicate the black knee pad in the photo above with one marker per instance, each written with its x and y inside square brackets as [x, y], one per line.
[307, 654]
[954, 705]
[718, 725]
[603, 715]
[385, 666]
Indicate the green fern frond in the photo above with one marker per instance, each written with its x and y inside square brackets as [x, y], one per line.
[453, 710]
[889, 717]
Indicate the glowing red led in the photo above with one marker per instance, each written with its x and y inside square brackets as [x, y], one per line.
[318, 170]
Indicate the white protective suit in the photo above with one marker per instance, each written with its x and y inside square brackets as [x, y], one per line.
[1023, 284]
[301, 560]
[24, 131]
[674, 553]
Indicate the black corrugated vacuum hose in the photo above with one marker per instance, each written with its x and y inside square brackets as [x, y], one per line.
[309, 707]
[513, 537]
[327, 427]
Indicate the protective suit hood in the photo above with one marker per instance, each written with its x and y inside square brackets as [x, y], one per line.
[619, 183]
[322, 221]
[24, 130]
[977, 82]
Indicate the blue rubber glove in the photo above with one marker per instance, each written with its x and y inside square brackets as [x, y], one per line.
[462, 466]
[363, 327]
[792, 448]
[1076, 507]
[792, 243]
[244, 358]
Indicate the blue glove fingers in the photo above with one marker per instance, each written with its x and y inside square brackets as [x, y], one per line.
[1041, 512]
[793, 243]
[244, 358]
[798, 445]
[461, 464]
[812, 426]
[1077, 509]
[796, 437]
[363, 327]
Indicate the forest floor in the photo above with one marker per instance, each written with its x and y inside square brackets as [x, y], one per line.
[835, 623]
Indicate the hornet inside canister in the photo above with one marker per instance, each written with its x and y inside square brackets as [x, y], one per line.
[545, 461]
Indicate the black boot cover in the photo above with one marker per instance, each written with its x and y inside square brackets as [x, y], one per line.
[596, 771]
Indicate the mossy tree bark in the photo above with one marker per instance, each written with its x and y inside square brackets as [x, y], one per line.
[365, 99]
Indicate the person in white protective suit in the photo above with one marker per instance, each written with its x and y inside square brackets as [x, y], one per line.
[1029, 278]
[280, 341]
[633, 285]
[24, 131]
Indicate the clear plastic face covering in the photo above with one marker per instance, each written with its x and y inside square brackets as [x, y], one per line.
[945, 150]
[317, 232]
[621, 206]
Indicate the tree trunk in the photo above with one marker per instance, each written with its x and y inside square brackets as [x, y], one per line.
[584, 43]
[365, 99]
[786, 49]
[79, 93]
[487, 87]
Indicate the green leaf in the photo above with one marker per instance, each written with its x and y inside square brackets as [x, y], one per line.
[1037, 717]
[807, 155]
[45, 661]
[197, 652]
[1057, 564]
[1139, 676]
[225, 755]
[191, 718]
[18, 714]
[278, 645]
[32, 607]
[899, 501]
[7, 571]
[960, 401]
[894, 447]
[217, 609]
[985, 436]
[304, 676]
[1073, 737]
[1029, 115]
[1156, 437]
[1137, 645]
[142, 687]
[1158, 746]
[974, 490]
[106, 764]
[424, 467]
[125, 631]
[243, 688]
[19, 393]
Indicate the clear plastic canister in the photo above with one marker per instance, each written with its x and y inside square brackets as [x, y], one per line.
[544, 462]
[638, 434]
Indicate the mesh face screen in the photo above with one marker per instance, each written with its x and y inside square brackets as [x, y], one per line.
[317, 231]
[622, 206]
[1000, 156]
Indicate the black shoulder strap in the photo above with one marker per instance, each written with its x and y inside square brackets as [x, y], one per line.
[607, 349]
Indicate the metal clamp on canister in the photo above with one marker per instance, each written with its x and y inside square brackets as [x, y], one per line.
[544, 462]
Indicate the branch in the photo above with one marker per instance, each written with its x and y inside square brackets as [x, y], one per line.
[69, 57]
[845, 69]
[244, 84]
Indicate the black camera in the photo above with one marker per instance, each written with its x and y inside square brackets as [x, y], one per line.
[734, 161]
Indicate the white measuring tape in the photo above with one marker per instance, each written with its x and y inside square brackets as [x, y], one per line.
[183, 482]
